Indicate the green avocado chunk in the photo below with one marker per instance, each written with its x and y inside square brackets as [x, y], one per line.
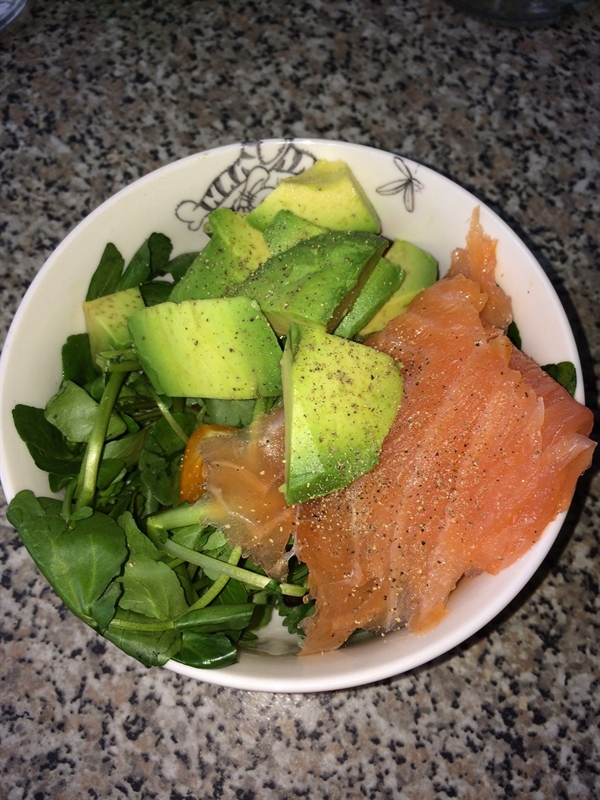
[221, 348]
[245, 242]
[316, 281]
[340, 399]
[287, 229]
[235, 250]
[381, 284]
[209, 275]
[421, 271]
[106, 320]
[326, 194]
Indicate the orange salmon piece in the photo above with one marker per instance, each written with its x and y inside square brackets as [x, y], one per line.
[463, 481]
[478, 261]
[243, 476]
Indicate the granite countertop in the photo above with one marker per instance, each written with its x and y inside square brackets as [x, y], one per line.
[94, 94]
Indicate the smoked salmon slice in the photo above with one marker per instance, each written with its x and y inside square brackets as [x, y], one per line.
[475, 466]
[243, 475]
[486, 450]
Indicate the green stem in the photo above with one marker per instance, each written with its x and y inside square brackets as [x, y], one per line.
[127, 625]
[220, 583]
[232, 571]
[178, 405]
[144, 416]
[68, 499]
[91, 462]
[118, 361]
[157, 526]
[169, 417]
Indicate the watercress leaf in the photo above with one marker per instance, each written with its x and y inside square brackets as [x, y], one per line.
[160, 252]
[138, 384]
[108, 272]
[261, 616]
[220, 555]
[213, 619]
[128, 448]
[145, 503]
[123, 360]
[58, 482]
[138, 269]
[132, 425]
[152, 588]
[216, 541]
[106, 498]
[206, 650]
[77, 364]
[139, 544]
[514, 334]
[160, 461]
[160, 474]
[111, 470]
[155, 292]
[294, 614]
[151, 648]
[237, 413]
[179, 265]
[82, 513]
[193, 536]
[564, 373]
[297, 571]
[233, 593]
[46, 444]
[104, 608]
[73, 412]
[79, 562]
[121, 504]
[96, 388]
[183, 573]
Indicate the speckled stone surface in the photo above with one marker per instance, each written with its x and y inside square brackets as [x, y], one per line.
[95, 93]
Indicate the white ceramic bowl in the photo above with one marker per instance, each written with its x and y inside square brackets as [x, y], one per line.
[414, 203]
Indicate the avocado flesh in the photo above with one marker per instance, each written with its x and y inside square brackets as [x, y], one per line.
[340, 400]
[210, 274]
[287, 229]
[245, 242]
[326, 194]
[421, 271]
[106, 320]
[234, 251]
[316, 281]
[221, 348]
[381, 284]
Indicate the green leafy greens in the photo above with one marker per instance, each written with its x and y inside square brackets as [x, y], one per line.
[119, 550]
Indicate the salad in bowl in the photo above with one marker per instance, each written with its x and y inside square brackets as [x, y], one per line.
[291, 415]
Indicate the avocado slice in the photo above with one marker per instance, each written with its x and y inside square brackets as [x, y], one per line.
[222, 348]
[234, 251]
[381, 284]
[245, 242]
[326, 194]
[316, 281]
[209, 275]
[421, 270]
[287, 229]
[340, 399]
[106, 320]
